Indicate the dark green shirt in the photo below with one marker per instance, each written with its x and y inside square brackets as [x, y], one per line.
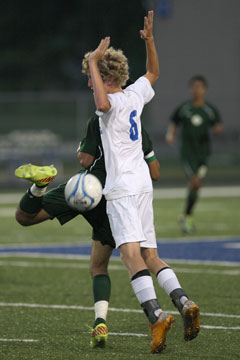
[92, 145]
[195, 123]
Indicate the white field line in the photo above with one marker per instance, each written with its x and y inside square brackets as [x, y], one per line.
[50, 265]
[19, 340]
[114, 258]
[91, 308]
[211, 327]
[169, 193]
[127, 334]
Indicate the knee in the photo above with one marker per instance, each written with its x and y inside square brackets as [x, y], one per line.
[98, 268]
[150, 255]
[129, 257]
[195, 183]
[21, 218]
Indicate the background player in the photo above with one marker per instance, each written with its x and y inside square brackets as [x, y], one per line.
[38, 205]
[195, 117]
[128, 187]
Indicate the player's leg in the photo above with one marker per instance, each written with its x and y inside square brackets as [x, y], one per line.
[166, 277]
[195, 171]
[29, 211]
[168, 280]
[101, 285]
[102, 247]
[127, 232]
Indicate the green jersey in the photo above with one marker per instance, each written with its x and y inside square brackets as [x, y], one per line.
[195, 124]
[92, 144]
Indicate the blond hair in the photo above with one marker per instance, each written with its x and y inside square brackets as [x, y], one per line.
[113, 64]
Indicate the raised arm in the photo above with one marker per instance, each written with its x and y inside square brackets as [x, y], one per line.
[100, 95]
[146, 34]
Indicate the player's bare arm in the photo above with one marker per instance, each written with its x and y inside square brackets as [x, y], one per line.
[85, 159]
[100, 94]
[171, 134]
[154, 168]
[146, 34]
[218, 129]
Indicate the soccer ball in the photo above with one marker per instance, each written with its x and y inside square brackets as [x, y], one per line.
[83, 192]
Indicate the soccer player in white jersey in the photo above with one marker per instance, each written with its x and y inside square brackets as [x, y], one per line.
[128, 188]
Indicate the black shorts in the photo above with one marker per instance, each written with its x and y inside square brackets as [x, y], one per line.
[55, 205]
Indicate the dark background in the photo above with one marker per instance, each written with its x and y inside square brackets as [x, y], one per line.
[44, 100]
[43, 42]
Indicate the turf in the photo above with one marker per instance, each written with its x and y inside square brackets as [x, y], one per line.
[62, 333]
[214, 217]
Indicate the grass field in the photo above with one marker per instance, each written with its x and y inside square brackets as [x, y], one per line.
[49, 301]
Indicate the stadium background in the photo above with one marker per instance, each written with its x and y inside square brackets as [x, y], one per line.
[44, 100]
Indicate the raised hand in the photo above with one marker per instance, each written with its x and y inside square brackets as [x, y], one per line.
[147, 32]
[97, 54]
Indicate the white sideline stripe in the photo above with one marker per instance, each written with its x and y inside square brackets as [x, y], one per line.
[48, 265]
[127, 334]
[220, 327]
[212, 327]
[79, 307]
[169, 193]
[19, 340]
[114, 258]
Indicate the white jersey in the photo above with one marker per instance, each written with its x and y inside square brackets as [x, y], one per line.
[120, 128]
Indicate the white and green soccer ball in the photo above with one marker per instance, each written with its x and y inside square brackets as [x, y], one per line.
[83, 192]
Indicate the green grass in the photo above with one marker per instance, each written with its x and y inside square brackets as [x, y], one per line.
[213, 217]
[62, 333]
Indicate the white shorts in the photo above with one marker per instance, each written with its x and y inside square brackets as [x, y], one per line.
[131, 220]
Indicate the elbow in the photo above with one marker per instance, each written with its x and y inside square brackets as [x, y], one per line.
[83, 163]
[104, 107]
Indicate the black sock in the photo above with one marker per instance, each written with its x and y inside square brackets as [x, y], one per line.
[176, 296]
[30, 204]
[191, 200]
[151, 309]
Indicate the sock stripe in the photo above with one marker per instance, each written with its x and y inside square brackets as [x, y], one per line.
[140, 273]
[166, 267]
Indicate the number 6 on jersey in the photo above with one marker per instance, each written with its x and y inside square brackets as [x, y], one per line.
[133, 128]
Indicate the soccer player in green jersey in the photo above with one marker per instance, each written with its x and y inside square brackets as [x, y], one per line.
[195, 117]
[38, 205]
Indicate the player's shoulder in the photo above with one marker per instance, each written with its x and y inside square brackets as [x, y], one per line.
[138, 84]
[210, 109]
[182, 107]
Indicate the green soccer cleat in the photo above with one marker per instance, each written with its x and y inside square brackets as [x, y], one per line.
[39, 175]
[99, 336]
[187, 224]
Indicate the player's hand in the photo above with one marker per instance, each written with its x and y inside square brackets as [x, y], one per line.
[170, 139]
[97, 54]
[147, 32]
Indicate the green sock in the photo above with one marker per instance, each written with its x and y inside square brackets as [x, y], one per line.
[191, 200]
[101, 292]
[30, 204]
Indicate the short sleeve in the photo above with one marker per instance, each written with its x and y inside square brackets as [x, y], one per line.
[142, 88]
[89, 143]
[175, 117]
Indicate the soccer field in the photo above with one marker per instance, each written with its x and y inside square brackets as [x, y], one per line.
[46, 300]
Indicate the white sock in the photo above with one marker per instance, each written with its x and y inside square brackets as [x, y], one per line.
[168, 280]
[38, 191]
[101, 309]
[143, 288]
